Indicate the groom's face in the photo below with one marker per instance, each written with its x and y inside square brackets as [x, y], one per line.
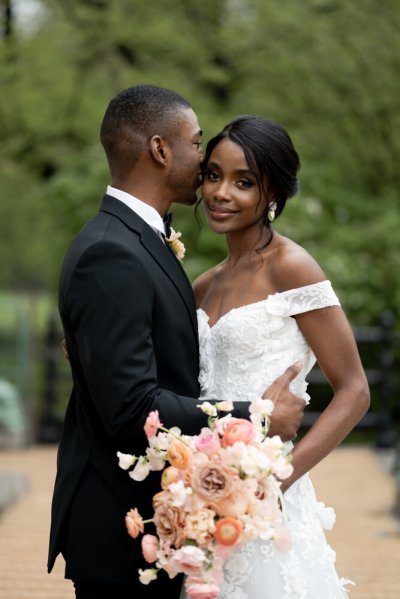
[187, 155]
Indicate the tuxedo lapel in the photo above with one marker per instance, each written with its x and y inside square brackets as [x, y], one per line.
[159, 252]
[173, 269]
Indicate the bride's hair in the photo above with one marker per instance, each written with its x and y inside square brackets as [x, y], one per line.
[270, 154]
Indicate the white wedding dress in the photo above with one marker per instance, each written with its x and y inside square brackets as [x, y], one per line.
[240, 356]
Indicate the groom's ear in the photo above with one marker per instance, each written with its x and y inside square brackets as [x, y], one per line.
[159, 149]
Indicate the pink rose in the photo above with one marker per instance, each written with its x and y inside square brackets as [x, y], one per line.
[188, 559]
[149, 548]
[152, 424]
[207, 442]
[236, 430]
[197, 589]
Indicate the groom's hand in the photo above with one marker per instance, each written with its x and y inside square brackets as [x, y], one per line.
[288, 408]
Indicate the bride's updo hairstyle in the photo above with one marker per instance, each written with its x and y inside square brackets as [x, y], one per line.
[270, 154]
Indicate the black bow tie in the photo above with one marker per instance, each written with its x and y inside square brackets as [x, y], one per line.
[167, 223]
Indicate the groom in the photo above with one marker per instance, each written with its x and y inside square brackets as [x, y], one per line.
[129, 320]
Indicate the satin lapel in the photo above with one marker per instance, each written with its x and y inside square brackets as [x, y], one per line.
[162, 254]
[173, 269]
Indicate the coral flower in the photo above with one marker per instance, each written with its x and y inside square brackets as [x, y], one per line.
[228, 530]
[178, 455]
[237, 430]
[134, 523]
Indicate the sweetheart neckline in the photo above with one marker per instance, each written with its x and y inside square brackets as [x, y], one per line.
[277, 293]
[233, 310]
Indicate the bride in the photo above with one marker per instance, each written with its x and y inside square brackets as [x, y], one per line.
[265, 306]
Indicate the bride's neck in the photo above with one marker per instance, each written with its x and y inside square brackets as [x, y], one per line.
[243, 245]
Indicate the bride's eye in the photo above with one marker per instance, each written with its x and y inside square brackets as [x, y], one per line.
[244, 183]
[211, 176]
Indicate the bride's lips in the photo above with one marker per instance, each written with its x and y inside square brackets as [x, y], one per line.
[220, 212]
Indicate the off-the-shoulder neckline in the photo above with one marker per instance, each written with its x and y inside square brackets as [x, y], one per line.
[259, 302]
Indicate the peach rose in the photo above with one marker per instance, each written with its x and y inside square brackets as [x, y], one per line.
[178, 454]
[236, 430]
[169, 475]
[149, 548]
[160, 498]
[228, 530]
[236, 503]
[212, 481]
[134, 523]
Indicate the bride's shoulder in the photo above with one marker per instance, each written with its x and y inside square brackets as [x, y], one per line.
[293, 267]
[202, 283]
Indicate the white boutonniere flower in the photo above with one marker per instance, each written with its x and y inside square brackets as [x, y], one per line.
[175, 244]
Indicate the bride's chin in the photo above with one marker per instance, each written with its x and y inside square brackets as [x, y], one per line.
[217, 228]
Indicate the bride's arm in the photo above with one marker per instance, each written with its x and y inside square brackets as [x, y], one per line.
[332, 341]
[331, 338]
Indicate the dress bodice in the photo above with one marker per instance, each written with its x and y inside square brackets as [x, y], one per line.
[240, 356]
[250, 346]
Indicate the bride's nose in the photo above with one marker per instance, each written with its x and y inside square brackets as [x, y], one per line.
[221, 192]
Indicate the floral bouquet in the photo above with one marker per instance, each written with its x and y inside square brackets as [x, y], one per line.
[219, 490]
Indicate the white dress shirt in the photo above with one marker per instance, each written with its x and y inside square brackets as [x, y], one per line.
[146, 212]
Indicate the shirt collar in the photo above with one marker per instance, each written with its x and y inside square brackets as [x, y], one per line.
[146, 212]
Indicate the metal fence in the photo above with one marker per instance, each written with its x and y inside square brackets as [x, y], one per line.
[378, 347]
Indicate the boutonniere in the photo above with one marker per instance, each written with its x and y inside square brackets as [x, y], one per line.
[175, 244]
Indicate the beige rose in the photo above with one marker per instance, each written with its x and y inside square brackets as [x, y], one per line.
[169, 521]
[212, 481]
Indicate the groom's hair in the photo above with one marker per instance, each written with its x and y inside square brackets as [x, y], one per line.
[133, 117]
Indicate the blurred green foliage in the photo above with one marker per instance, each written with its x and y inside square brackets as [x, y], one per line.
[326, 69]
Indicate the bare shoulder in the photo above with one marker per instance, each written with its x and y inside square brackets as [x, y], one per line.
[292, 266]
[202, 283]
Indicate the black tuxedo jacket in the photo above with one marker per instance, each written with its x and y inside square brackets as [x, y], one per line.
[129, 319]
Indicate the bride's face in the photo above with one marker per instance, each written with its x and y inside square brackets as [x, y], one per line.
[231, 193]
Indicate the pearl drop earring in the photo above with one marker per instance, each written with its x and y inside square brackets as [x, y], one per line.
[271, 211]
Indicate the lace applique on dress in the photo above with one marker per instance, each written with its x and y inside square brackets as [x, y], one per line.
[240, 356]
